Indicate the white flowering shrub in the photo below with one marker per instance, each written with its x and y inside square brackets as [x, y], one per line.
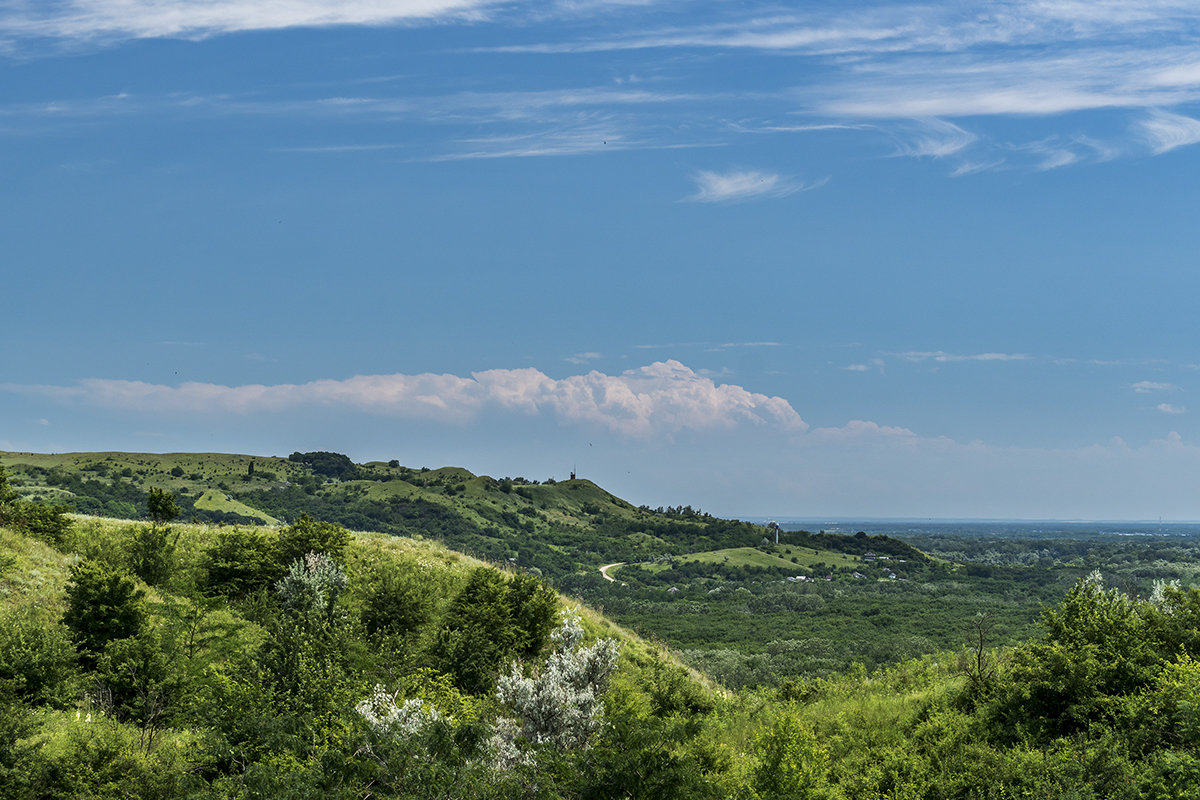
[312, 585]
[397, 721]
[1160, 595]
[561, 706]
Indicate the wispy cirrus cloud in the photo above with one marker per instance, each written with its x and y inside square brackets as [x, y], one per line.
[1170, 408]
[501, 124]
[735, 186]
[893, 63]
[912, 72]
[1146, 387]
[196, 19]
[1164, 131]
[658, 399]
[934, 138]
[1051, 154]
[942, 356]
[340, 148]
[718, 348]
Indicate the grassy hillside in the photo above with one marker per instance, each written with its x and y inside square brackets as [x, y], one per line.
[156, 660]
[229, 682]
[216, 500]
[799, 560]
[224, 685]
[557, 527]
[713, 589]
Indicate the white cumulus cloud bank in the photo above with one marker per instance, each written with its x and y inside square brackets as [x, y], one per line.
[661, 398]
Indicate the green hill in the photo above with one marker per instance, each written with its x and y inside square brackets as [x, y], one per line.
[164, 661]
[148, 660]
[558, 527]
[713, 589]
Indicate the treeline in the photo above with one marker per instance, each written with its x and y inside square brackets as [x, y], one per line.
[859, 544]
[522, 535]
[96, 496]
[348, 506]
[114, 494]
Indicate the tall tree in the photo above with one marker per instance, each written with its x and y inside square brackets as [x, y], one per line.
[161, 506]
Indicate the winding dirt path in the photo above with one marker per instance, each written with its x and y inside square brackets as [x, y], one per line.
[604, 570]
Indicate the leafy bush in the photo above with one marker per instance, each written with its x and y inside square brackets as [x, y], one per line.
[161, 506]
[397, 600]
[791, 761]
[240, 562]
[103, 605]
[308, 535]
[491, 621]
[47, 523]
[559, 707]
[150, 552]
[312, 586]
[37, 658]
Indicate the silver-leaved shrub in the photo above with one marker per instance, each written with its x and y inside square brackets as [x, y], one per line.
[561, 705]
[312, 585]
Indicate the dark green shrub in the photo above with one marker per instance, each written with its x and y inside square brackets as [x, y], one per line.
[37, 658]
[150, 552]
[103, 604]
[489, 623]
[308, 535]
[241, 561]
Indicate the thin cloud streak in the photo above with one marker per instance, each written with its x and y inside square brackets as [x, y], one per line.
[86, 20]
[910, 72]
[939, 63]
[739, 185]
[1146, 387]
[1164, 131]
[936, 138]
[943, 357]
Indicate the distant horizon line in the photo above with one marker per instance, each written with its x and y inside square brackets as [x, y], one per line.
[1023, 520]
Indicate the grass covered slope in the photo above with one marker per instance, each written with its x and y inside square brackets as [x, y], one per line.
[712, 589]
[153, 660]
[228, 680]
[557, 527]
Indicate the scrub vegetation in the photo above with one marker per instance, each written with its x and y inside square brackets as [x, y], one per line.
[154, 658]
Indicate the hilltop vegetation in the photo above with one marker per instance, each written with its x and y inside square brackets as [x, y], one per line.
[553, 526]
[163, 660]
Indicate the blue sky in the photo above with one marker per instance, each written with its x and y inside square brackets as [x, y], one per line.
[800, 259]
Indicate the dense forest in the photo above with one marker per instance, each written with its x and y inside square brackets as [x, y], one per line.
[153, 658]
